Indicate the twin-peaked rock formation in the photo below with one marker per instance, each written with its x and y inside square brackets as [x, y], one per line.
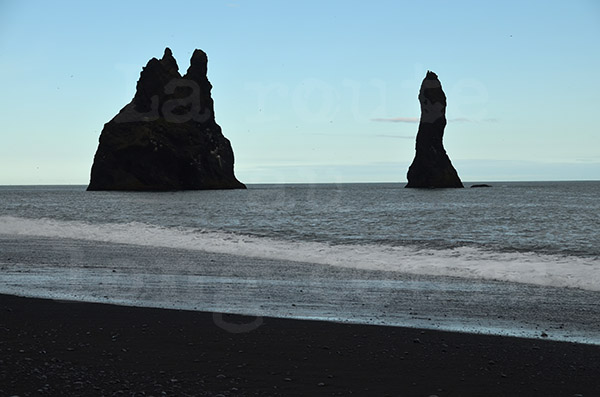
[166, 138]
[431, 167]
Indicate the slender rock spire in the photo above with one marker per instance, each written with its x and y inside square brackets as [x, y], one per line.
[431, 167]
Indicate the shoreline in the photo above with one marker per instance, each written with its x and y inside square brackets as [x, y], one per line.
[497, 330]
[76, 348]
[58, 268]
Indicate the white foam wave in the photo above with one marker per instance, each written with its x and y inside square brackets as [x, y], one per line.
[466, 262]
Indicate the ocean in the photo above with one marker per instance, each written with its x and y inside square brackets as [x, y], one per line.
[519, 258]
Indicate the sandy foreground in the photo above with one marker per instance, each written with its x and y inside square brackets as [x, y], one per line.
[50, 347]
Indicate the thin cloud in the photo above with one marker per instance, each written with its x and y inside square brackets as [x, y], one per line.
[398, 120]
[395, 136]
[467, 120]
[416, 120]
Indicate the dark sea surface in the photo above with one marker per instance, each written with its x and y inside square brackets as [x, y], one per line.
[517, 258]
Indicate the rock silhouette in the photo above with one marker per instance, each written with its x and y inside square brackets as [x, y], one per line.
[431, 167]
[166, 138]
[481, 185]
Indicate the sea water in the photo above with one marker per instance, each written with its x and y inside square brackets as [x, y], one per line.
[510, 257]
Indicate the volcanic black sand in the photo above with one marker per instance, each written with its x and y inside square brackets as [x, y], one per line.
[65, 348]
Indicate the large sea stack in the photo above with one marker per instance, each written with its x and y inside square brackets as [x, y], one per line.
[166, 138]
[431, 167]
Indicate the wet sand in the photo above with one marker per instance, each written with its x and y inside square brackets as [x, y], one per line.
[201, 281]
[52, 347]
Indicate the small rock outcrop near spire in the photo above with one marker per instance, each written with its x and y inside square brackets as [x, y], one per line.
[166, 138]
[431, 167]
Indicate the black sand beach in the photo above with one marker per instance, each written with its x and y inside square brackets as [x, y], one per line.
[65, 348]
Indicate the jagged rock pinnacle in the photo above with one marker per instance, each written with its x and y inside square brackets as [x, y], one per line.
[167, 137]
[168, 62]
[198, 65]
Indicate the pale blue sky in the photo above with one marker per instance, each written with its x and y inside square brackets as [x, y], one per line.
[308, 91]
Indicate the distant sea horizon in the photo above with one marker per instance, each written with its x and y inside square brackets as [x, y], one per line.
[467, 183]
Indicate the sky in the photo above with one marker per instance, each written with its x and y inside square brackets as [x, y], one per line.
[313, 91]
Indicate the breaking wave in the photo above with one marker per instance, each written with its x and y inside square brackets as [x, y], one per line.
[464, 262]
